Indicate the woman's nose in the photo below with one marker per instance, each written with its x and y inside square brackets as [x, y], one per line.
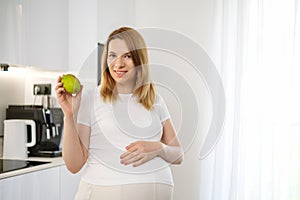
[119, 62]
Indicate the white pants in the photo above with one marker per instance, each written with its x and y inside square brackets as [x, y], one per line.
[141, 191]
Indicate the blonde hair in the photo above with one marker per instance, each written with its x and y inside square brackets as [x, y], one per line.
[144, 88]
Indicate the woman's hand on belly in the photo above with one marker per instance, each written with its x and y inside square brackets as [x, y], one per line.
[140, 152]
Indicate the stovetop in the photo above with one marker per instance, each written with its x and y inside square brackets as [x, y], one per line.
[7, 165]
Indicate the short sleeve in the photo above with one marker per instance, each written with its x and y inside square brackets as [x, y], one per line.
[84, 112]
[161, 109]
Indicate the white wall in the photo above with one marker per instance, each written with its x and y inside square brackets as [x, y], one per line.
[90, 23]
[193, 18]
[11, 92]
[82, 31]
[114, 14]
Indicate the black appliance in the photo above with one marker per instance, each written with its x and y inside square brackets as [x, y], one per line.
[100, 52]
[49, 128]
[7, 165]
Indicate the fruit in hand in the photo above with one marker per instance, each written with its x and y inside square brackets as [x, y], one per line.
[71, 83]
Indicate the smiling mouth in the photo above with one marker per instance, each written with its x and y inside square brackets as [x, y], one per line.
[120, 73]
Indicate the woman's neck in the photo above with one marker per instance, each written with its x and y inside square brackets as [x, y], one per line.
[125, 89]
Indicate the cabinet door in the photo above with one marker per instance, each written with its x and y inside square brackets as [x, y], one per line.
[69, 183]
[10, 23]
[34, 33]
[45, 33]
[38, 185]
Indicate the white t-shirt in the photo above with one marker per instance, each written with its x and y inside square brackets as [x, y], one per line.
[115, 126]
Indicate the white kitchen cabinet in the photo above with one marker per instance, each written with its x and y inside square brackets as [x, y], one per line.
[55, 183]
[68, 183]
[58, 34]
[10, 40]
[43, 184]
[45, 33]
[34, 33]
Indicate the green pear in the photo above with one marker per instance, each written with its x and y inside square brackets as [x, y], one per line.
[71, 83]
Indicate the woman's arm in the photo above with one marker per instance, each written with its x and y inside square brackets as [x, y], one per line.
[75, 144]
[168, 149]
[171, 149]
[76, 136]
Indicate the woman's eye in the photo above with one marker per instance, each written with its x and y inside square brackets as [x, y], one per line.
[127, 56]
[111, 55]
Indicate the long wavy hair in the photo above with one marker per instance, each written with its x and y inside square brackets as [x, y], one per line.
[144, 88]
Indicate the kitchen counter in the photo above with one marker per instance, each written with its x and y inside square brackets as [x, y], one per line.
[53, 162]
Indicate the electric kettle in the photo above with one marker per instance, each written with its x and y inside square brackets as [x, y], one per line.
[15, 138]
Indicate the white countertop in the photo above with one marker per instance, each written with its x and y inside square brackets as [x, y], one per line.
[54, 162]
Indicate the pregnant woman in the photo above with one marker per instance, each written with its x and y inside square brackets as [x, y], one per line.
[120, 133]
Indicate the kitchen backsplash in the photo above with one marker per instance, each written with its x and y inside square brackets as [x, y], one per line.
[12, 91]
[40, 78]
[16, 88]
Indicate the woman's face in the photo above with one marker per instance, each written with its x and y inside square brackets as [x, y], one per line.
[120, 62]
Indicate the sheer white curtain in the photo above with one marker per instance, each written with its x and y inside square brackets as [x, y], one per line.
[257, 51]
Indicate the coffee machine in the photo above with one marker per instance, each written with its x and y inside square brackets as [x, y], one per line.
[49, 128]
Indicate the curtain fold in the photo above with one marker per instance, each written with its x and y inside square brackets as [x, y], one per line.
[256, 50]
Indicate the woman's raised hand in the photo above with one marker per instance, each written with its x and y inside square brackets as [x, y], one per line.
[68, 103]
